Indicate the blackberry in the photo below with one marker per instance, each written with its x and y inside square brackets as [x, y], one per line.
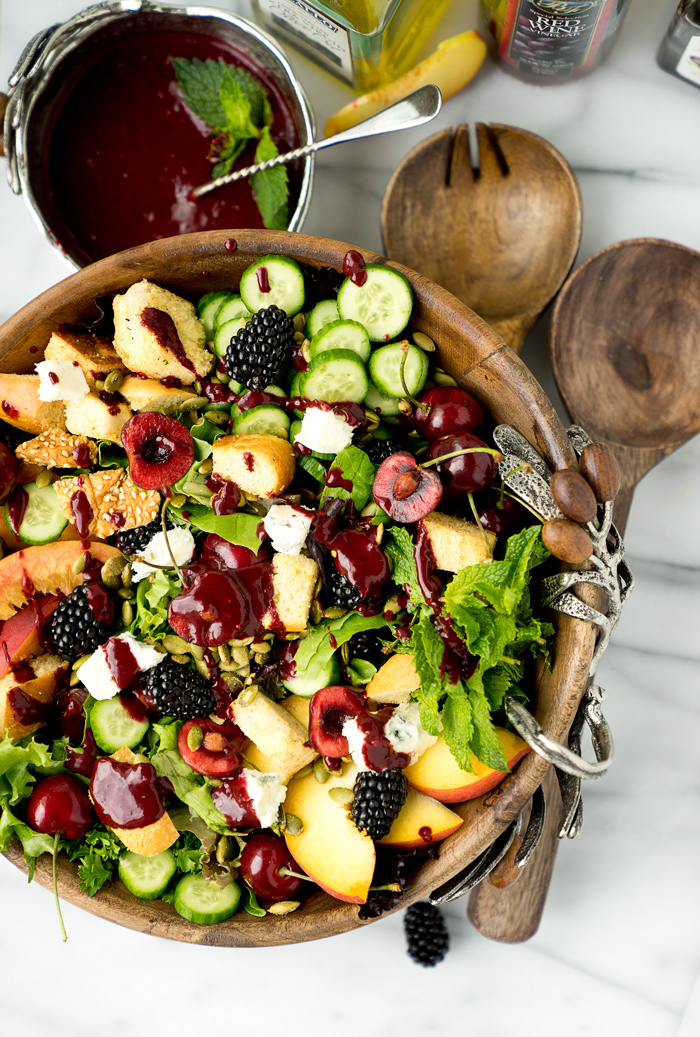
[74, 629]
[367, 646]
[379, 449]
[180, 692]
[426, 934]
[134, 541]
[258, 351]
[340, 591]
[377, 798]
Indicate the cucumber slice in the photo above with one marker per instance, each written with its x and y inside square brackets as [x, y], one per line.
[232, 308]
[203, 900]
[323, 312]
[385, 369]
[224, 333]
[284, 278]
[382, 304]
[207, 309]
[265, 420]
[342, 334]
[147, 877]
[308, 686]
[43, 519]
[113, 725]
[379, 403]
[334, 376]
[294, 432]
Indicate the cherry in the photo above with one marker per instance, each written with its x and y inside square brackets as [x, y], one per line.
[60, 804]
[210, 748]
[446, 409]
[218, 553]
[467, 472]
[500, 513]
[160, 449]
[262, 858]
[71, 717]
[404, 490]
[8, 471]
[329, 710]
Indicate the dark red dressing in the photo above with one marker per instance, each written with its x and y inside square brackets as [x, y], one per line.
[426, 834]
[126, 795]
[27, 710]
[82, 512]
[226, 500]
[53, 377]
[263, 279]
[230, 244]
[249, 460]
[121, 662]
[162, 327]
[100, 603]
[354, 268]
[112, 401]
[81, 455]
[16, 505]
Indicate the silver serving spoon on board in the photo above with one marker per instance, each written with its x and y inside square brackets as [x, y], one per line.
[415, 110]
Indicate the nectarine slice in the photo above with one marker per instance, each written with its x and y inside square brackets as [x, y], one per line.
[436, 773]
[334, 853]
[25, 689]
[20, 636]
[421, 821]
[44, 570]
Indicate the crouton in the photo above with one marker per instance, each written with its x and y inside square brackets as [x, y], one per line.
[36, 680]
[294, 581]
[158, 334]
[149, 394]
[96, 356]
[456, 543]
[150, 839]
[99, 419]
[57, 449]
[20, 404]
[263, 466]
[115, 502]
[394, 681]
[278, 739]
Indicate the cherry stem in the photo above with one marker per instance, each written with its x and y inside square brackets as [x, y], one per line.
[167, 541]
[283, 871]
[402, 375]
[392, 887]
[475, 513]
[56, 843]
[459, 453]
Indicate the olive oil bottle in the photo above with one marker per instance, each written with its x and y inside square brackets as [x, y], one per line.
[679, 52]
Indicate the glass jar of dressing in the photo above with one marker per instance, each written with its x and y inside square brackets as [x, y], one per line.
[366, 43]
[679, 52]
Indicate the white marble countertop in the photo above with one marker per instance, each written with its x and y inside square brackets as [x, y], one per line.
[618, 950]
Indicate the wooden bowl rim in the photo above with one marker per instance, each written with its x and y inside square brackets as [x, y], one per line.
[486, 357]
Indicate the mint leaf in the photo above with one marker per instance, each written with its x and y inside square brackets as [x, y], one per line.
[239, 528]
[458, 727]
[271, 186]
[200, 82]
[357, 469]
[398, 545]
[501, 584]
[236, 105]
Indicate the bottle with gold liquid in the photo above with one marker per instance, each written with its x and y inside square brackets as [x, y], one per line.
[551, 41]
[366, 43]
[679, 52]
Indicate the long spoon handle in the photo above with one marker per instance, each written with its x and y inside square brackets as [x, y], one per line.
[415, 110]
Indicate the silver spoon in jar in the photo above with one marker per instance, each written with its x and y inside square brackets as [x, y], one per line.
[415, 110]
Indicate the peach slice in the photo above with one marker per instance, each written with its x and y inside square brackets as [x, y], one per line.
[436, 773]
[421, 821]
[20, 636]
[455, 62]
[330, 849]
[44, 570]
[25, 691]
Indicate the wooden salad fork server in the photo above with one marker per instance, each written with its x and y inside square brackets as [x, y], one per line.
[499, 229]
[623, 348]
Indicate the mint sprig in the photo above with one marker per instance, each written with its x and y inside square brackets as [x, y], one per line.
[237, 110]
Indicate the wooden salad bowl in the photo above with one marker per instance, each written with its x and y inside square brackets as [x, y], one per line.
[475, 355]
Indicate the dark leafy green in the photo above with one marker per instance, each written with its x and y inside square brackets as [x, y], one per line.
[357, 469]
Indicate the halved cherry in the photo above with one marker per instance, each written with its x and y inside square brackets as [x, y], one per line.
[329, 710]
[210, 748]
[160, 449]
[404, 489]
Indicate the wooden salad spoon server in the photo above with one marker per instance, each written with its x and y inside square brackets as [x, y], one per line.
[624, 351]
[499, 229]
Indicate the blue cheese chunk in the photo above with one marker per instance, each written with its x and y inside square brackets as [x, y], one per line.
[324, 431]
[267, 794]
[99, 673]
[288, 528]
[61, 380]
[157, 551]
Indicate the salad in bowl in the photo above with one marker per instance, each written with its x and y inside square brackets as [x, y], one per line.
[262, 598]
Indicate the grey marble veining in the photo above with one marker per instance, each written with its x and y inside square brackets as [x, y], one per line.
[618, 951]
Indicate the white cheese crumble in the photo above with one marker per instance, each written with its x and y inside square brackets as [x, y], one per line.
[356, 742]
[324, 431]
[406, 733]
[267, 794]
[95, 673]
[288, 528]
[60, 380]
[181, 544]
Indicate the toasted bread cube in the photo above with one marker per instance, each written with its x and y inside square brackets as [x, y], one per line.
[96, 418]
[96, 356]
[57, 449]
[149, 394]
[278, 738]
[20, 404]
[263, 466]
[394, 681]
[298, 707]
[153, 838]
[294, 581]
[36, 679]
[157, 334]
[456, 543]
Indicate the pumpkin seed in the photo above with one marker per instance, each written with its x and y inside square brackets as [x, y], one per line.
[111, 572]
[79, 565]
[181, 660]
[424, 341]
[320, 771]
[127, 593]
[195, 738]
[113, 381]
[283, 907]
[43, 478]
[341, 795]
[174, 644]
[293, 825]
[206, 466]
[127, 614]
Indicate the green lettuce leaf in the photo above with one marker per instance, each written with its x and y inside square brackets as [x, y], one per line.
[191, 788]
[239, 528]
[316, 650]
